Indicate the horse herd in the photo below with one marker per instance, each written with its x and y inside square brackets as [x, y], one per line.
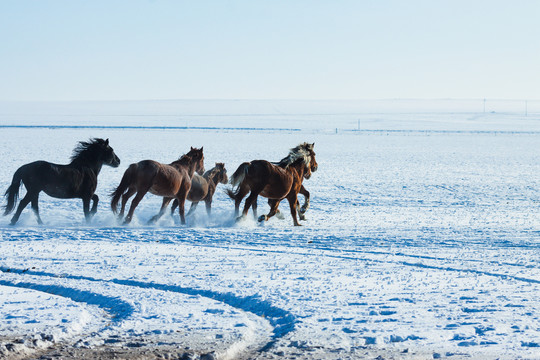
[183, 179]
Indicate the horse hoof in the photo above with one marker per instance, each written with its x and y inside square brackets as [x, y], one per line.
[263, 218]
[302, 217]
[280, 215]
[240, 218]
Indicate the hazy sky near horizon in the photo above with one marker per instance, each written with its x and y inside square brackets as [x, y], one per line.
[281, 49]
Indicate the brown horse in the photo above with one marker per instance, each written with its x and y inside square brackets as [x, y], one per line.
[169, 181]
[203, 188]
[273, 181]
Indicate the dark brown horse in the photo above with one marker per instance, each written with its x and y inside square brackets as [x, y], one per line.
[203, 188]
[171, 181]
[273, 181]
[78, 179]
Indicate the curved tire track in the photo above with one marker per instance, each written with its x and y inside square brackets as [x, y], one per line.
[282, 321]
[397, 262]
[114, 306]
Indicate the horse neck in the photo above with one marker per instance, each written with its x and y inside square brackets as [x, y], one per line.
[191, 169]
[184, 163]
[299, 166]
[94, 165]
[211, 176]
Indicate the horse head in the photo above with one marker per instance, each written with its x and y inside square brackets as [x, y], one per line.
[109, 157]
[222, 173]
[95, 151]
[311, 163]
[197, 158]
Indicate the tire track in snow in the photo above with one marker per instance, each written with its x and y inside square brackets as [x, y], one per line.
[116, 309]
[398, 262]
[427, 257]
[114, 306]
[282, 321]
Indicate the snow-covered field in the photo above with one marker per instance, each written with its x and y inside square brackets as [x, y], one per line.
[422, 240]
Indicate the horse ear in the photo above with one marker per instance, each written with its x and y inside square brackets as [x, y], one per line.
[191, 147]
[107, 142]
[202, 148]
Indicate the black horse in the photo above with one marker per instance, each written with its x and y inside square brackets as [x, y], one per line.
[75, 180]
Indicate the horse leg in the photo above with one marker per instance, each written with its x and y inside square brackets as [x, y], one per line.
[208, 203]
[22, 205]
[95, 200]
[299, 211]
[254, 208]
[242, 191]
[304, 207]
[136, 200]
[192, 208]
[164, 205]
[293, 201]
[36, 208]
[181, 204]
[125, 198]
[174, 206]
[249, 203]
[274, 204]
[86, 208]
[279, 214]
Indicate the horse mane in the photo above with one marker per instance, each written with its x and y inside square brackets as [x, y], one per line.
[87, 151]
[184, 160]
[300, 152]
[211, 173]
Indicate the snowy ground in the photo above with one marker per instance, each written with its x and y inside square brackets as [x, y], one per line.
[422, 241]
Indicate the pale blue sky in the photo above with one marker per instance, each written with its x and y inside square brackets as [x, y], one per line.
[290, 49]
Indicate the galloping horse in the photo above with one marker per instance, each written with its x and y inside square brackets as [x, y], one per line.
[204, 187]
[169, 181]
[273, 181]
[75, 180]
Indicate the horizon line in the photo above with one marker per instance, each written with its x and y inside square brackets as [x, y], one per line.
[271, 99]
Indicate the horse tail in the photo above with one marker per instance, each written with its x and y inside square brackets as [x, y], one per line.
[127, 180]
[12, 192]
[237, 178]
[239, 175]
[232, 194]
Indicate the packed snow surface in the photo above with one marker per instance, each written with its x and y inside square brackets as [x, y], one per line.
[422, 239]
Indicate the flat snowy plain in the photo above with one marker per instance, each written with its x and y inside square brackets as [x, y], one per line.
[422, 240]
